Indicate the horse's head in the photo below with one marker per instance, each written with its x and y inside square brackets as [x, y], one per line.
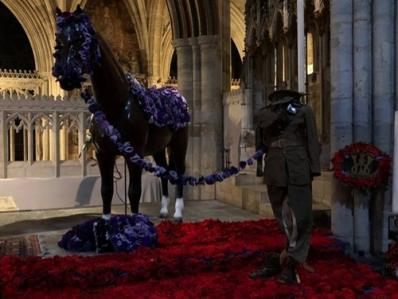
[76, 50]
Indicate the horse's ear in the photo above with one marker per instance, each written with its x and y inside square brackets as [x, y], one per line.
[58, 12]
[78, 10]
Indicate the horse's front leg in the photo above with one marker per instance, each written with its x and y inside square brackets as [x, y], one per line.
[106, 162]
[134, 186]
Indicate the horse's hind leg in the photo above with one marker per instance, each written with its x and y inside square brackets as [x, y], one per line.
[134, 192]
[160, 159]
[178, 149]
[106, 162]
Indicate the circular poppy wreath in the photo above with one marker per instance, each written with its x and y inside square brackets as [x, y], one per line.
[361, 165]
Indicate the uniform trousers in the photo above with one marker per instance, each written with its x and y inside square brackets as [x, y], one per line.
[292, 207]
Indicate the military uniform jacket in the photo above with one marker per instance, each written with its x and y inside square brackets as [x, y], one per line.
[292, 146]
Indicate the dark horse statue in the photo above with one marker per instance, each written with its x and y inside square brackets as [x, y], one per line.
[81, 50]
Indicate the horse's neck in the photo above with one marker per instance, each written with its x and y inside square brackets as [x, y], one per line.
[109, 83]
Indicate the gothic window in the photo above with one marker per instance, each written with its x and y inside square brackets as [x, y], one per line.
[42, 125]
[69, 137]
[17, 138]
[15, 50]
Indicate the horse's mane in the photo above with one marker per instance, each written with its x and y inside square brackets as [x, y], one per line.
[106, 53]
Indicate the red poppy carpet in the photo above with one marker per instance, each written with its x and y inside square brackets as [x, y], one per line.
[209, 259]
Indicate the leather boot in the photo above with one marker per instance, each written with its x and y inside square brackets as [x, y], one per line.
[271, 268]
[289, 272]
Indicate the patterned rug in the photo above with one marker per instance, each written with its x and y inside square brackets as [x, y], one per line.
[20, 246]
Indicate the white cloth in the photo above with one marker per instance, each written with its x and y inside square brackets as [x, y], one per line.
[151, 188]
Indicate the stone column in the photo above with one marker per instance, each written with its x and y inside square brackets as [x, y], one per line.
[3, 145]
[395, 167]
[11, 144]
[55, 144]
[301, 72]
[362, 29]
[247, 109]
[184, 71]
[211, 104]
[30, 145]
[341, 108]
[383, 107]
[196, 114]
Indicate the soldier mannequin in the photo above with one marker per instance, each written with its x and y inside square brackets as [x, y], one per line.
[286, 130]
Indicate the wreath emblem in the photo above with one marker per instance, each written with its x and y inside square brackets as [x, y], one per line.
[361, 166]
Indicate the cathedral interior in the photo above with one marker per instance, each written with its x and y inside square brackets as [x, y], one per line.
[225, 57]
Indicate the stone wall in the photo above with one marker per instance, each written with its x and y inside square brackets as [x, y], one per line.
[112, 21]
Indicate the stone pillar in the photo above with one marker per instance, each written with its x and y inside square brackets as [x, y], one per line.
[247, 109]
[211, 104]
[55, 144]
[224, 7]
[196, 114]
[362, 29]
[3, 145]
[11, 144]
[30, 145]
[395, 167]
[383, 107]
[301, 72]
[341, 108]
[184, 71]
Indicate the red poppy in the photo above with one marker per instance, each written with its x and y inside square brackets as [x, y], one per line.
[361, 166]
[209, 259]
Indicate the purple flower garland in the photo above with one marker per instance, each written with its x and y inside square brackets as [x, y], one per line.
[128, 151]
[163, 106]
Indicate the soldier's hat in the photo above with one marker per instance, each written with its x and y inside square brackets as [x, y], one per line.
[284, 96]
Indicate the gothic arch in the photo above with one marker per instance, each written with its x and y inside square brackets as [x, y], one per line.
[238, 28]
[39, 26]
[191, 18]
[37, 19]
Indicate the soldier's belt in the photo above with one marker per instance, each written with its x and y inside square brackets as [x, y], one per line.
[282, 143]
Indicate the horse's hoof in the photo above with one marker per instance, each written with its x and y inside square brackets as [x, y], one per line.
[163, 216]
[177, 219]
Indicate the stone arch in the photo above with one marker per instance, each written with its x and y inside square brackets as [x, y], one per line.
[238, 28]
[160, 49]
[37, 19]
[191, 18]
[167, 54]
[17, 53]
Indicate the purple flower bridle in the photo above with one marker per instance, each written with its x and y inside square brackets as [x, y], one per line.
[76, 51]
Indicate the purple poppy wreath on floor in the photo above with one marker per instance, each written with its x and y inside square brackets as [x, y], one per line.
[122, 233]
